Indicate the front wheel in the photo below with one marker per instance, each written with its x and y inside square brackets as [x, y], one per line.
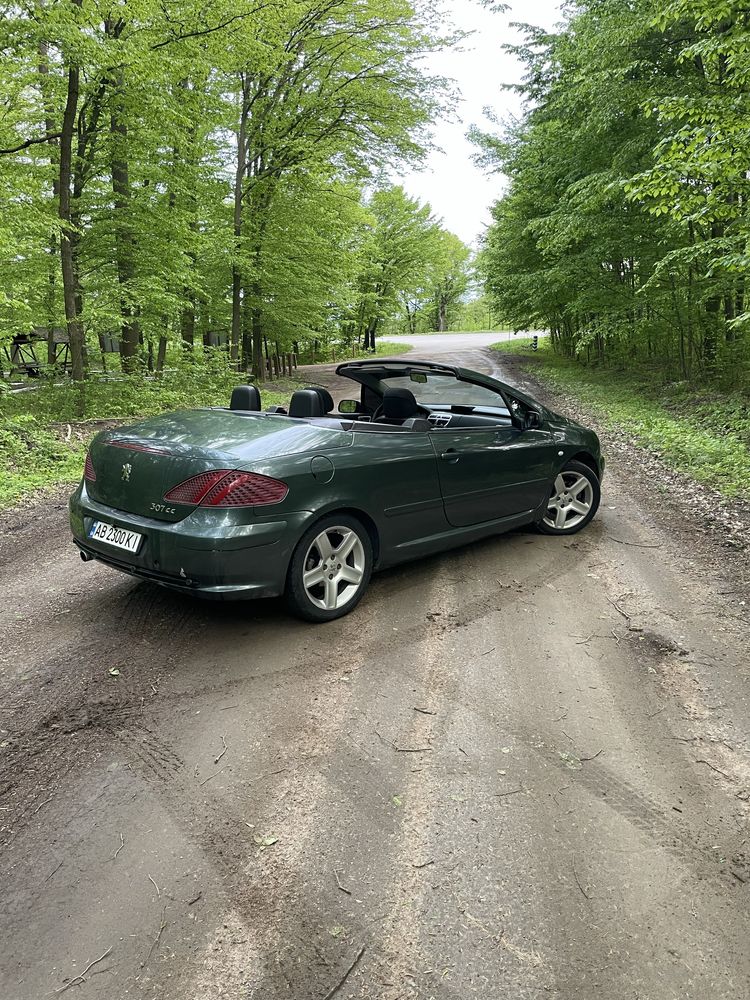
[330, 569]
[574, 499]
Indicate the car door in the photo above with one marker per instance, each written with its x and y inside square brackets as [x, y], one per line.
[487, 473]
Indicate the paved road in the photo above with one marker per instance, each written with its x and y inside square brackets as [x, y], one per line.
[518, 770]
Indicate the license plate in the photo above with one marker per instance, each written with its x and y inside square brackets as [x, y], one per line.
[119, 538]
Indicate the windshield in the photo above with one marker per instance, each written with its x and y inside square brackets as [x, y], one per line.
[446, 390]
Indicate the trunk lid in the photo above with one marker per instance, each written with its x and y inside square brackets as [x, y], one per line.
[136, 466]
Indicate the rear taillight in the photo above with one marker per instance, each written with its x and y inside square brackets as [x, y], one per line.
[193, 490]
[223, 488]
[88, 470]
[245, 489]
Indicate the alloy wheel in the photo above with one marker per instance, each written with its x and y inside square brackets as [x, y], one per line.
[334, 567]
[570, 502]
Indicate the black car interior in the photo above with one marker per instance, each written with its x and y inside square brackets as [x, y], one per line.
[386, 408]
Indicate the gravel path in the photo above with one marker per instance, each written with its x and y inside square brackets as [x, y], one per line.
[517, 770]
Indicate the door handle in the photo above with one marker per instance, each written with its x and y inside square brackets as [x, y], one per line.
[451, 455]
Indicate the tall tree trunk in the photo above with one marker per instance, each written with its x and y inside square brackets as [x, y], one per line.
[187, 314]
[187, 319]
[257, 342]
[49, 124]
[442, 315]
[161, 354]
[68, 238]
[239, 177]
[130, 334]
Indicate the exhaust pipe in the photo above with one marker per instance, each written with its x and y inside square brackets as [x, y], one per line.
[85, 557]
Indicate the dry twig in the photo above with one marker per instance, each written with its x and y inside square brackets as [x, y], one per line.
[57, 869]
[592, 757]
[157, 939]
[578, 882]
[122, 844]
[268, 774]
[714, 768]
[212, 775]
[334, 990]
[76, 980]
[338, 883]
[224, 744]
[617, 607]
[158, 890]
[638, 545]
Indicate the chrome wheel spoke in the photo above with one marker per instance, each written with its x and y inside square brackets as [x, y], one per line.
[350, 574]
[579, 507]
[323, 545]
[561, 517]
[330, 599]
[313, 577]
[578, 486]
[560, 485]
[348, 544]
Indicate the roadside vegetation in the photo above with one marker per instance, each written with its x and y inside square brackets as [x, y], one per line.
[219, 179]
[699, 432]
[625, 227]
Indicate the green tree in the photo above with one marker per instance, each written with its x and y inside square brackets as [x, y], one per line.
[622, 228]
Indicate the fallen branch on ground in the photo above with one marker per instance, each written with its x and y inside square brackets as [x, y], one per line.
[332, 992]
[76, 980]
[338, 883]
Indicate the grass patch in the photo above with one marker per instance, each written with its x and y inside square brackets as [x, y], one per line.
[33, 458]
[700, 431]
[44, 432]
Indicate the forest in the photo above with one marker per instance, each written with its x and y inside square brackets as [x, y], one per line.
[624, 227]
[177, 177]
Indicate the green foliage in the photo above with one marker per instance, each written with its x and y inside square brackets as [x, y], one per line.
[414, 273]
[217, 157]
[625, 227]
[33, 458]
[695, 430]
[192, 382]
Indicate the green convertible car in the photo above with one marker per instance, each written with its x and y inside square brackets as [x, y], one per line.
[235, 502]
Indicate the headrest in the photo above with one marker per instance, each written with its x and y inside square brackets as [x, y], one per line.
[245, 397]
[399, 404]
[305, 403]
[324, 395]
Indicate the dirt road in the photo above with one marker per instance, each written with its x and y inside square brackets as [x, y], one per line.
[518, 770]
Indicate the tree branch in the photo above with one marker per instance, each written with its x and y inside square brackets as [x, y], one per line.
[202, 32]
[31, 142]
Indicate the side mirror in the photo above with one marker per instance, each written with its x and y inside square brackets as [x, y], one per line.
[533, 419]
[349, 406]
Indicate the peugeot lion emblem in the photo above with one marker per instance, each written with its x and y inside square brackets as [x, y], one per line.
[126, 470]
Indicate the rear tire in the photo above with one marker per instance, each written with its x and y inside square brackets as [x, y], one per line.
[573, 501]
[330, 569]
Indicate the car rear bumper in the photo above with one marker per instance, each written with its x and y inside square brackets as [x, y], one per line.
[209, 558]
